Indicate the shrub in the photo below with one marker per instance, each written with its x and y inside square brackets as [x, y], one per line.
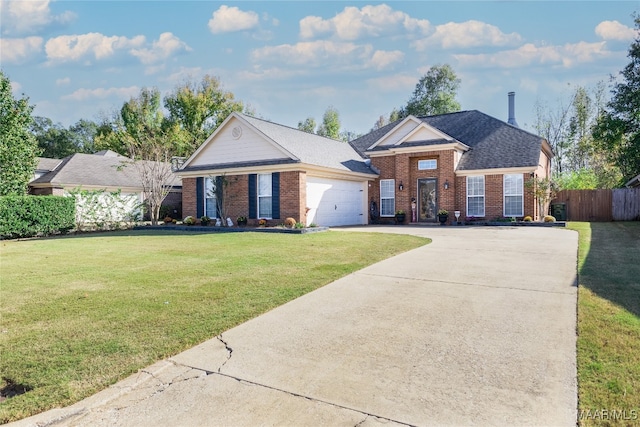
[299, 225]
[527, 219]
[549, 218]
[289, 222]
[262, 222]
[26, 216]
[168, 219]
[189, 220]
[204, 220]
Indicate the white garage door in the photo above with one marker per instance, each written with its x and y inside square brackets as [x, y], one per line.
[334, 202]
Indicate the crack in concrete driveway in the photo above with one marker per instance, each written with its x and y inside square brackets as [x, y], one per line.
[477, 327]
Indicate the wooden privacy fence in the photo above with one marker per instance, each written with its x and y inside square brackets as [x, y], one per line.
[620, 204]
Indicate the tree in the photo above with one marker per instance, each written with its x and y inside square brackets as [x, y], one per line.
[18, 147]
[544, 190]
[569, 130]
[149, 143]
[330, 126]
[198, 109]
[309, 125]
[435, 93]
[618, 128]
[84, 133]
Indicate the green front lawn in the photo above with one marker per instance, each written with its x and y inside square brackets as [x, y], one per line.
[80, 313]
[609, 323]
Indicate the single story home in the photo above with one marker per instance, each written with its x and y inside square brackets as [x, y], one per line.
[103, 171]
[465, 161]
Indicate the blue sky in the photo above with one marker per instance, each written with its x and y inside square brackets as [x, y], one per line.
[291, 60]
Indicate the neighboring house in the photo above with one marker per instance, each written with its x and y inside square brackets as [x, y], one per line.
[465, 161]
[104, 171]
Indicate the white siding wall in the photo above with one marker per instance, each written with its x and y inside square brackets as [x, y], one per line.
[399, 133]
[424, 134]
[249, 147]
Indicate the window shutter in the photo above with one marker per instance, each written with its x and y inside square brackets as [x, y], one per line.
[199, 197]
[253, 195]
[275, 195]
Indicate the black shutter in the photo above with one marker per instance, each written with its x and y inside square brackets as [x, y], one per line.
[219, 196]
[199, 197]
[253, 195]
[275, 195]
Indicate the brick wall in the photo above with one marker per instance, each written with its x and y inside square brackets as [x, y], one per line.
[494, 197]
[188, 197]
[292, 197]
[404, 169]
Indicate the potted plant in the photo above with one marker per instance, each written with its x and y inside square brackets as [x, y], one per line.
[443, 216]
[400, 216]
[204, 220]
[241, 221]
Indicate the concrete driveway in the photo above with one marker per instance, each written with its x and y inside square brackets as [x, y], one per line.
[477, 328]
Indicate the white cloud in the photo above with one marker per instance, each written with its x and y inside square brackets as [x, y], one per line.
[382, 59]
[28, 17]
[567, 56]
[161, 49]
[228, 19]
[370, 21]
[18, 50]
[467, 34]
[63, 82]
[96, 45]
[320, 53]
[614, 30]
[102, 93]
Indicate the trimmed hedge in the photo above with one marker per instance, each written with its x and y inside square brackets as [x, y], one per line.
[27, 216]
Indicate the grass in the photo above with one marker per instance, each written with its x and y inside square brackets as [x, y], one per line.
[609, 323]
[80, 313]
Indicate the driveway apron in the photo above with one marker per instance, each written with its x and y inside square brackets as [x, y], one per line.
[476, 328]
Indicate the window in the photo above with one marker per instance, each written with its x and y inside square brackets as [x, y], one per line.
[264, 196]
[387, 197]
[427, 164]
[475, 196]
[210, 199]
[513, 195]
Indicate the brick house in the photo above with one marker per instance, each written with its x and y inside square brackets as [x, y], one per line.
[465, 161]
[270, 171]
[102, 171]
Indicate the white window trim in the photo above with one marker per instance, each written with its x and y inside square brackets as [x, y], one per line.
[484, 196]
[435, 162]
[504, 195]
[207, 198]
[393, 187]
[261, 196]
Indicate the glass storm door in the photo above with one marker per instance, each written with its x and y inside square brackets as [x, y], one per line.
[427, 198]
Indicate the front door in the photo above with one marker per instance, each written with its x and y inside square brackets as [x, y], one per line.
[427, 198]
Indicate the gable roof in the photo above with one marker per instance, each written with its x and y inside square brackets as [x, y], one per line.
[494, 144]
[89, 170]
[297, 147]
